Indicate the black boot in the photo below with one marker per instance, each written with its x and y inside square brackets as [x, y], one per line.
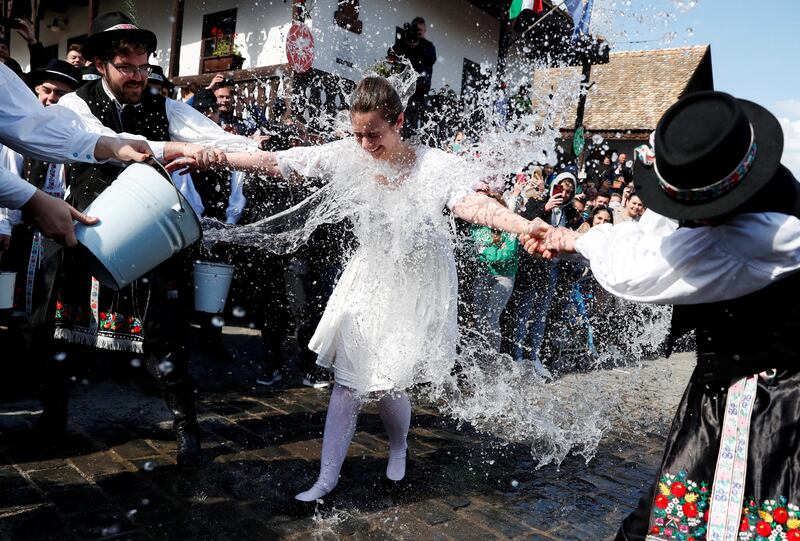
[52, 423]
[180, 401]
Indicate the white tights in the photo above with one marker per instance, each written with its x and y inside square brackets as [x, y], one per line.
[340, 425]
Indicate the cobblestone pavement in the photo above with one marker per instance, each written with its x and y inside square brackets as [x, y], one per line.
[114, 475]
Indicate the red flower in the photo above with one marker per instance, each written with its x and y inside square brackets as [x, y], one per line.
[763, 528]
[745, 526]
[678, 489]
[102, 315]
[705, 516]
[59, 306]
[662, 501]
[780, 515]
[654, 530]
[690, 510]
[793, 535]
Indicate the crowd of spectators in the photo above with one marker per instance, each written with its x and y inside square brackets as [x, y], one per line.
[521, 305]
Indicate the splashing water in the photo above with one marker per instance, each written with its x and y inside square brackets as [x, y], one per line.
[399, 237]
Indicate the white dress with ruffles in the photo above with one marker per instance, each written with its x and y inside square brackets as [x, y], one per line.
[391, 321]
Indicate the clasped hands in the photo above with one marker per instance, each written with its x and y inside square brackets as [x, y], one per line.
[546, 241]
[189, 157]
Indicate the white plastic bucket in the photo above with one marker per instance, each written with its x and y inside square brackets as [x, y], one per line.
[144, 221]
[7, 280]
[212, 281]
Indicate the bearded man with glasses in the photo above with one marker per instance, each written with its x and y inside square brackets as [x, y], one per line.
[149, 318]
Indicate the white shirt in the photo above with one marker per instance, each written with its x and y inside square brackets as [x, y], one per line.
[186, 125]
[655, 261]
[54, 134]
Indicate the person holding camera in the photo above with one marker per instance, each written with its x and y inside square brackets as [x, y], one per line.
[412, 45]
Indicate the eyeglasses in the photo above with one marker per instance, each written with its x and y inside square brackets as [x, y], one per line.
[129, 71]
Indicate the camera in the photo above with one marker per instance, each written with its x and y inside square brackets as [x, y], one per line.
[410, 33]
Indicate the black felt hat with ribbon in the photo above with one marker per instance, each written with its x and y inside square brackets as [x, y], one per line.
[57, 70]
[713, 153]
[157, 76]
[112, 26]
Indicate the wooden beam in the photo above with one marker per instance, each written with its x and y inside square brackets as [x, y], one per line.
[263, 72]
[177, 36]
[94, 6]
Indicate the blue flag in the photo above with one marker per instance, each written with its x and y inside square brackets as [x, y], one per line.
[581, 13]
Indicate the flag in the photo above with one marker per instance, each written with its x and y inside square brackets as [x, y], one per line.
[518, 6]
[581, 13]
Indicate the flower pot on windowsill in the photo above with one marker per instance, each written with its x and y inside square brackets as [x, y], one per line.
[229, 62]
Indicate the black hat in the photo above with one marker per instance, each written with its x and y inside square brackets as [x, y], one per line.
[90, 73]
[204, 100]
[58, 70]
[111, 26]
[157, 76]
[713, 152]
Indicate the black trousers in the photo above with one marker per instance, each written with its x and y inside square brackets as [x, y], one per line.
[165, 356]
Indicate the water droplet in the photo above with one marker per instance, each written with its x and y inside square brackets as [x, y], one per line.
[629, 164]
[165, 367]
[60, 356]
[145, 501]
[690, 31]
[131, 513]
[238, 311]
[597, 139]
[136, 362]
[114, 529]
[514, 483]
[149, 466]
[218, 321]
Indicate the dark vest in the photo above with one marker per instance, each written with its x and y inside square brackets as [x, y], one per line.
[35, 172]
[743, 336]
[214, 189]
[87, 181]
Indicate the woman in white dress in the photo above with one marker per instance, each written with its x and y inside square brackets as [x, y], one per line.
[391, 320]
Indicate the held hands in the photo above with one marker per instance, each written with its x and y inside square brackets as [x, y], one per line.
[547, 241]
[197, 158]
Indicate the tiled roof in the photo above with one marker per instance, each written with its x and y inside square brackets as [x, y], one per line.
[631, 92]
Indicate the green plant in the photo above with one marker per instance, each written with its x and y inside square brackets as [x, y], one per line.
[224, 44]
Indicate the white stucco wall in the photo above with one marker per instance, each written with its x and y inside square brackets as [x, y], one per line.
[261, 27]
[457, 28]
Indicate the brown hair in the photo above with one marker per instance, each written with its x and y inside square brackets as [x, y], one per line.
[377, 94]
[122, 47]
[77, 47]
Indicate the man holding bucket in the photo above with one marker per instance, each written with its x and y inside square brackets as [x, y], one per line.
[151, 316]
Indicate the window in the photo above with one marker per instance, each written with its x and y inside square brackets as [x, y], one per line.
[221, 22]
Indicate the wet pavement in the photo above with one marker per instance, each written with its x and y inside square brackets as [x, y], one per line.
[113, 476]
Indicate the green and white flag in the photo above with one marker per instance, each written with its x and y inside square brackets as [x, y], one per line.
[518, 6]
